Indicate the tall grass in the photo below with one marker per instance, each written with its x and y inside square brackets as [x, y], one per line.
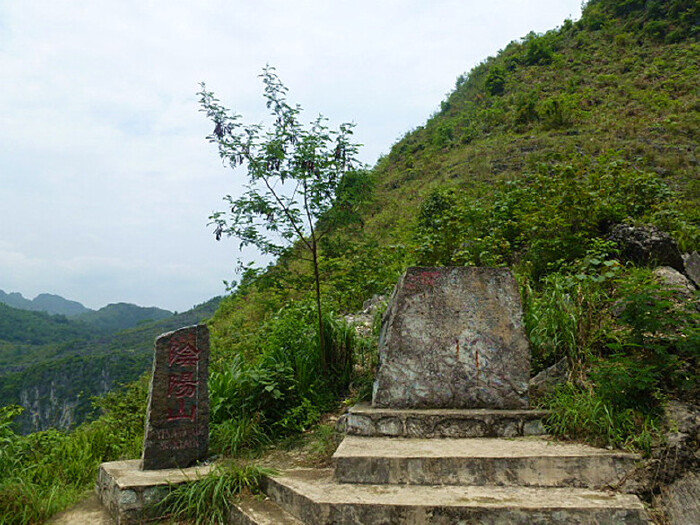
[281, 389]
[209, 500]
[582, 414]
[564, 318]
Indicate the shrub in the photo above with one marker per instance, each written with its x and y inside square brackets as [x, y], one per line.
[661, 345]
[526, 107]
[542, 220]
[443, 135]
[539, 49]
[496, 80]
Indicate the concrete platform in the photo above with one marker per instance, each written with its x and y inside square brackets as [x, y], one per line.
[129, 494]
[364, 420]
[528, 462]
[314, 497]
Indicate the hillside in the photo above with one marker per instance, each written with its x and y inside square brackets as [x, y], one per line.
[53, 366]
[530, 162]
[608, 103]
[120, 316]
[28, 327]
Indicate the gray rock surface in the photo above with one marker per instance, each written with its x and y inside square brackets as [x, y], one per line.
[523, 462]
[363, 320]
[674, 280]
[691, 263]
[647, 245]
[177, 424]
[130, 495]
[313, 496]
[548, 378]
[363, 420]
[682, 500]
[453, 337]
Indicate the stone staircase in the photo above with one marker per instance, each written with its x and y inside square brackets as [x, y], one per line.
[450, 466]
[452, 337]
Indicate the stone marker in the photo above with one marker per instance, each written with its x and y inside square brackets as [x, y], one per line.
[177, 423]
[453, 337]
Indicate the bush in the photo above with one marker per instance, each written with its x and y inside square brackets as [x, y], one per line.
[496, 80]
[660, 347]
[526, 108]
[558, 112]
[541, 221]
[539, 49]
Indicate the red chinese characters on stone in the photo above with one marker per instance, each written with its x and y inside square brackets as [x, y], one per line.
[182, 385]
[182, 413]
[185, 355]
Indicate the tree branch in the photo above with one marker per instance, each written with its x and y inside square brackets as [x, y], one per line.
[285, 209]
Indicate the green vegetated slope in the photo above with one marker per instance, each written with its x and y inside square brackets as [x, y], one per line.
[53, 366]
[121, 316]
[27, 327]
[529, 163]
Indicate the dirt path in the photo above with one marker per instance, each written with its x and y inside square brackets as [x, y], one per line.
[87, 512]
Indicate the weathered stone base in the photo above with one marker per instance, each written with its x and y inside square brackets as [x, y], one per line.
[131, 494]
[364, 420]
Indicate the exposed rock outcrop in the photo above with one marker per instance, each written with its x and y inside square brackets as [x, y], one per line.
[647, 246]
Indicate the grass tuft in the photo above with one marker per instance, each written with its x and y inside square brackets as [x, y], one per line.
[209, 500]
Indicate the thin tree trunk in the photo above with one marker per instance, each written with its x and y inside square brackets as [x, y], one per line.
[317, 279]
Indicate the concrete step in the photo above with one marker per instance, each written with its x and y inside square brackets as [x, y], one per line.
[317, 499]
[533, 461]
[254, 511]
[364, 420]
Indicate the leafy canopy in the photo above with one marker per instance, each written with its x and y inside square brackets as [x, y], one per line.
[294, 171]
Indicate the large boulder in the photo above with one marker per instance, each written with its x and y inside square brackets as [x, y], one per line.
[647, 246]
[453, 338]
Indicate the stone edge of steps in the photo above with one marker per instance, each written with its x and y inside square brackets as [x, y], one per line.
[364, 420]
[291, 491]
[529, 462]
[252, 510]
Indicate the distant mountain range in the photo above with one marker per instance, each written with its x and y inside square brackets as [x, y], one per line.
[53, 363]
[110, 318]
[45, 302]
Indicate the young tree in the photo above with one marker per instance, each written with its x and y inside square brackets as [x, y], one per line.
[293, 173]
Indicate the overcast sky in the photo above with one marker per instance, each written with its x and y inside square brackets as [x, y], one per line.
[106, 179]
